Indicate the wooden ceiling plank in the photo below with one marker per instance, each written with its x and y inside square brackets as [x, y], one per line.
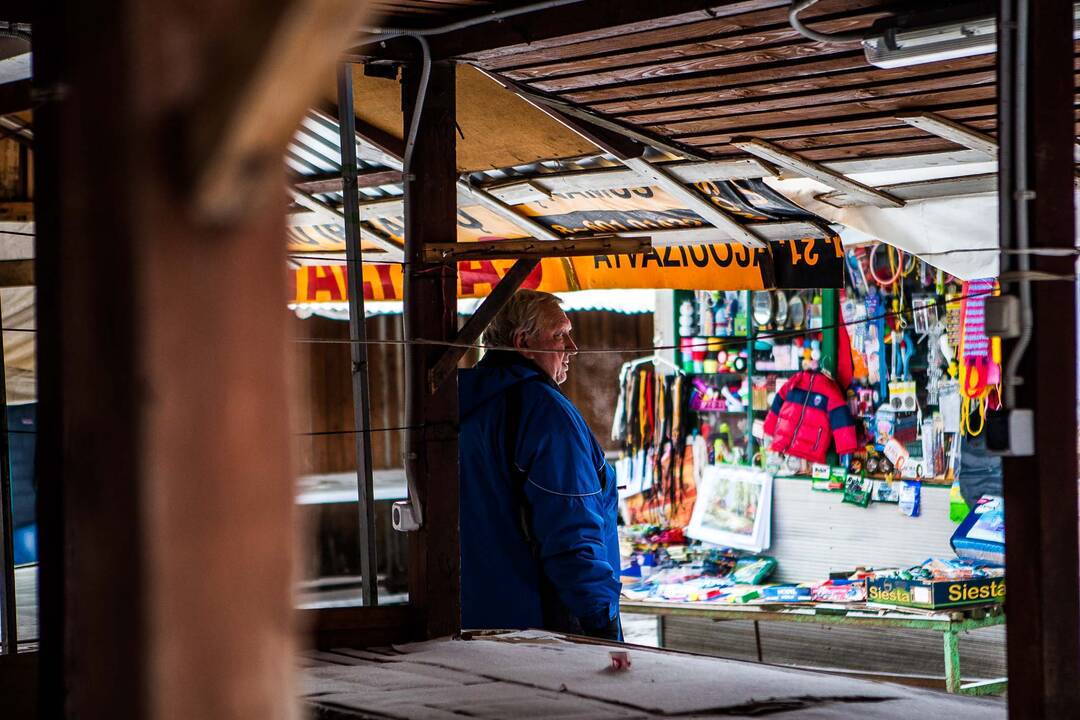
[839, 93]
[813, 142]
[790, 85]
[726, 61]
[885, 107]
[651, 88]
[721, 26]
[716, 48]
[588, 20]
[829, 126]
[663, 178]
[771, 72]
[887, 149]
[810, 169]
[952, 131]
[566, 25]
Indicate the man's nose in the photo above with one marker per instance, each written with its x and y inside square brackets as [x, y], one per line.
[571, 346]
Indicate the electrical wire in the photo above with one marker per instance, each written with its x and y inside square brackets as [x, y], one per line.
[797, 6]
[777, 334]
[324, 433]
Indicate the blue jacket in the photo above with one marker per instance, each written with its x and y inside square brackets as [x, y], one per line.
[569, 495]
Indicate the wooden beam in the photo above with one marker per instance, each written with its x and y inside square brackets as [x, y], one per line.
[359, 627]
[589, 19]
[822, 174]
[714, 215]
[950, 130]
[167, 543]
[475, 325]
[533, 248]
[332, 183]
[430, 313]
[1036, 202]
[262, 87]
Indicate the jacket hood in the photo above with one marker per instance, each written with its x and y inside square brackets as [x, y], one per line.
[492, 376]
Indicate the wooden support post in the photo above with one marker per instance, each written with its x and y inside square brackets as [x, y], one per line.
[358, 335]
[470, 333]
[9, 630]
[431, 448]
[166, 492]
[1035, 192]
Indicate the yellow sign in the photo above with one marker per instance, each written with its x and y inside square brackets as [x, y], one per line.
[694, 267]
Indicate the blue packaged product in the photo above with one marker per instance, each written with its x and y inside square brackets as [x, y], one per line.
[910, 497]
[785, 593]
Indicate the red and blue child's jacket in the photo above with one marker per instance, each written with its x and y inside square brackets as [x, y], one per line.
[807, 412]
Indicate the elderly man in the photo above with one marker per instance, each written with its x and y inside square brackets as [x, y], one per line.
[539, 547]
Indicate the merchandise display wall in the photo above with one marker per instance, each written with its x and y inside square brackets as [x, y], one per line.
[820, 465]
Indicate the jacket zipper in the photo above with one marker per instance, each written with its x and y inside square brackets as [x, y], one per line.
[806, 400]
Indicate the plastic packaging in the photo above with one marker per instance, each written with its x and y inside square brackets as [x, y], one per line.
[910, 498]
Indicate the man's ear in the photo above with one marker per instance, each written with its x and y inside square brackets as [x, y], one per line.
[519, 340]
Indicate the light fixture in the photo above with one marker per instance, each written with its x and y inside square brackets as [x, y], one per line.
[901, 47]
[945, 33]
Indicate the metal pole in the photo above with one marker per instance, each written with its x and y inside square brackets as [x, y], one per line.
[8, 620]
[358, 335]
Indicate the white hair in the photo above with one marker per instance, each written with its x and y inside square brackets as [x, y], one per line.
[523, 313]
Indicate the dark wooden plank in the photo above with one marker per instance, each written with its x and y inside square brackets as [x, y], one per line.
[768, 72]
[332, 183]
[887, 148]
[430, 313]
[726, 61]
[359, 627]
[601, 67]
[883, 107]
[780, 85]
[723, 25]
[826, 126]
[813, 142]
[840, 94]
[1036, 200]
[587, 20]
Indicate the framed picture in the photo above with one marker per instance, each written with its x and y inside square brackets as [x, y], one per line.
[733, 508]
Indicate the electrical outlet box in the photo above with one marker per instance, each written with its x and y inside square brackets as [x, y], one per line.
[1003, 316]
[403, 517]
[1011, 432]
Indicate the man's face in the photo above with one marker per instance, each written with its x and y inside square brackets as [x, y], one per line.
[553, 334]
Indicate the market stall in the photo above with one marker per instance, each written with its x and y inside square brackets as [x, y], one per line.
[819, 456]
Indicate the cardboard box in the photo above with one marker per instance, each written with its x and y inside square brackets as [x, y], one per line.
[934, 594]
